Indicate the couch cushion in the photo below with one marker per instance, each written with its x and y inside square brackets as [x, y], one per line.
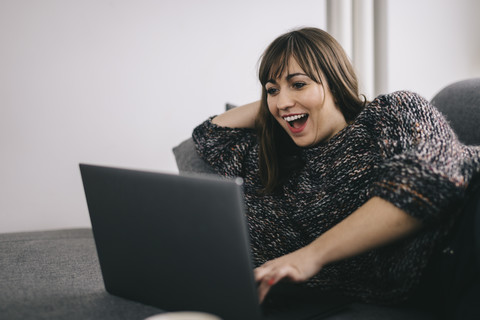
[188, 160]
[56, 275]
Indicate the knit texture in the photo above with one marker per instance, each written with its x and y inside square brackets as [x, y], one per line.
[399, 148]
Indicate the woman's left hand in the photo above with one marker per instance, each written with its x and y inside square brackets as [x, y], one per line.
[298, 266]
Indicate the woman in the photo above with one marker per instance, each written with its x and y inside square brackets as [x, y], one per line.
[342, 195]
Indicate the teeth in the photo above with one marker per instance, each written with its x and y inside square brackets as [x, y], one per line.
[295, 117]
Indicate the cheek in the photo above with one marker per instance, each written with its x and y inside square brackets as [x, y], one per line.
[316, 98]
[271, 107]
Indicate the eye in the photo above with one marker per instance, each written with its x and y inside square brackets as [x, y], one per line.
[299, 85]
[272, 91]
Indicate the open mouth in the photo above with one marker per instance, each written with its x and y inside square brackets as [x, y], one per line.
[296, 122]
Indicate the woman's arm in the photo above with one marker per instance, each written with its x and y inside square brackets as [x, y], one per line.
[374, 224]
[240, 117]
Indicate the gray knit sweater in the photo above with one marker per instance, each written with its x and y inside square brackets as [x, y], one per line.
[399, 148]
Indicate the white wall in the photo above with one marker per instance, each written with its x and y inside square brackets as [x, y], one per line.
[432, 43]
[122, 82]
[117, 83]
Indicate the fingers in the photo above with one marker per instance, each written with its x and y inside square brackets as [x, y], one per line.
[261, 272]
[265, 280]
[297, 266]
[270, 274]
[264, 288]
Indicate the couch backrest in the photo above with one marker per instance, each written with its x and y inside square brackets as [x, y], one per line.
[460, 103]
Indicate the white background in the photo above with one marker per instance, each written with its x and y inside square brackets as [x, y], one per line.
[122, 82]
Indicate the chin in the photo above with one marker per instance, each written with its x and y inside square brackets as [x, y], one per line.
[302, 143]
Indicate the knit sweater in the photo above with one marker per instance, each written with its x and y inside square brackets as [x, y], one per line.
[399, 148]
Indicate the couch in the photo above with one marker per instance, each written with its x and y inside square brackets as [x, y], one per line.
[56, 275]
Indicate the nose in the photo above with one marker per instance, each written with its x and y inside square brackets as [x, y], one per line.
[284, 100]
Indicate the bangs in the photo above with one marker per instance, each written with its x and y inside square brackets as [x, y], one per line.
[275, 62]
[277, 67]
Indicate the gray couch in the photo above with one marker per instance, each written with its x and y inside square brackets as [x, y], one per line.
[56, 275]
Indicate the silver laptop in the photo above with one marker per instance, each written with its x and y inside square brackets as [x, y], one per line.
[181, 243]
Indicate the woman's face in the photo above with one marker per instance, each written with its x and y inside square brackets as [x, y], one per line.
[303, 107]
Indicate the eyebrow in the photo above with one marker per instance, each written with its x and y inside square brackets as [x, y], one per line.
[288, 77]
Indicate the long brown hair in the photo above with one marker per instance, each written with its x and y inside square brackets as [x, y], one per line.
[323, 59]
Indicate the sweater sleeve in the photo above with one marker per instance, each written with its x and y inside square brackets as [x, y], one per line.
[426, 168]
[225, 149]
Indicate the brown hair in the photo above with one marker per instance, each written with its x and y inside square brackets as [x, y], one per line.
[322, 58]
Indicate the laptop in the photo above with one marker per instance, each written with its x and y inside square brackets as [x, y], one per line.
[180, 243]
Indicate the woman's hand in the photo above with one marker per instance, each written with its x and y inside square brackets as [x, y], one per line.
[239, 117]
[298, 266]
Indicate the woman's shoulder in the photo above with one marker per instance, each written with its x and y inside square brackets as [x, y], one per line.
[402, 98]
[399, 110]
[396, 104]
